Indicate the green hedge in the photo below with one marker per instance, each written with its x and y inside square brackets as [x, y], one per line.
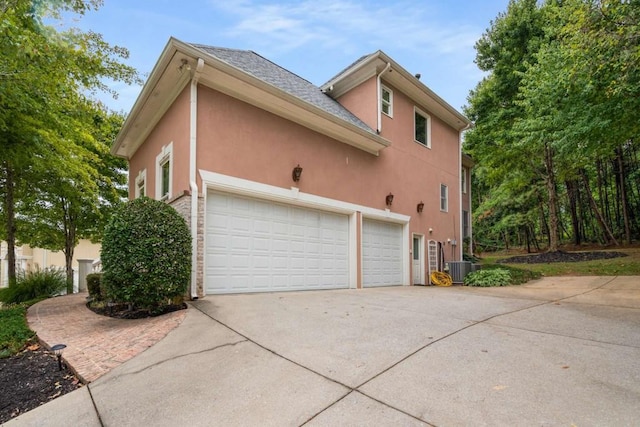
[94, 286]
[146, 254]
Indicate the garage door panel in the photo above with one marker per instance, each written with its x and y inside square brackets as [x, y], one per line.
[382, 248]
[256, 245]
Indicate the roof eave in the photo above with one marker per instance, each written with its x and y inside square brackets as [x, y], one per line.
[133, 133]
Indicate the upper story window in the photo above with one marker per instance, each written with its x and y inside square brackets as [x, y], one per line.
[444, 198]
[463, 179]
[164, 172]
[422, 124]
[387, 101]
[141, 184]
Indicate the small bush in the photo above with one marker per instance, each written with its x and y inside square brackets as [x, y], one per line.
[14, 333]
[518, 275]
[35, 284]
[94, 286]
[487, 278]
[146, 254]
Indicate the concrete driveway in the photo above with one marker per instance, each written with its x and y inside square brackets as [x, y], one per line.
[558, 351]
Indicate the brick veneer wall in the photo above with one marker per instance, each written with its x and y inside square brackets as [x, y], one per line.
[182, 204]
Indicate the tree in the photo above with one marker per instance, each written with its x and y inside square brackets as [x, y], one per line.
[560, 101]
[45, 79]
[63, 209]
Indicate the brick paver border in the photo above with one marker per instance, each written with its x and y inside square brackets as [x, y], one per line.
[95, 344]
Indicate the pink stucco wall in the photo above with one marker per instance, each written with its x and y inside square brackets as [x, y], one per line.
[237, 139]
[173, 127]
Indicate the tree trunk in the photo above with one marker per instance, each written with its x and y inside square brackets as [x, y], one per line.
[609, 238]
[573, 208]
[623, 195]
[69, 241]
[550, 181]
[9, 209]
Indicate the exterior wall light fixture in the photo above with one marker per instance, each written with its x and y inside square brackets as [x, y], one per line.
[420, 206]
[389, 199]
[296, 173]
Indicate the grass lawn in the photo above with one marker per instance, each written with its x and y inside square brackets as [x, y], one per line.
[623, 266]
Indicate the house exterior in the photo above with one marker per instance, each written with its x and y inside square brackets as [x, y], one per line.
[290, 186]
[31, 258]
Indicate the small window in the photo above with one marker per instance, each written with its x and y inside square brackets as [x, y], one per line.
[422, 123]
[463, 182]
[164, 173]
[465, 224]
[141, 184]
[387, 101]
[444, 198]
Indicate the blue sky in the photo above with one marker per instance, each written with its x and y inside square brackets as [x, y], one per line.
[312, 38]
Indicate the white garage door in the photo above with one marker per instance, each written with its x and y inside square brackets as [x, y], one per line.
[259, 246]
[381, 253]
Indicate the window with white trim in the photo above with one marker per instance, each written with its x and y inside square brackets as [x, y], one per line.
[386, 98]
[463, 183]
[465, 224]
[444, 198]
[422, 125]
[141, 184]
[164, 172]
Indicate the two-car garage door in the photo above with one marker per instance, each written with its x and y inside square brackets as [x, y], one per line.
[256, 245]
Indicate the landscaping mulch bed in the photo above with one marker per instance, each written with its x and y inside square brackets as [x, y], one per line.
[31, 378]
[122, 311]
[561, 256]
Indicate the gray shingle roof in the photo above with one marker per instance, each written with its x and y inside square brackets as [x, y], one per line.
[269, 72]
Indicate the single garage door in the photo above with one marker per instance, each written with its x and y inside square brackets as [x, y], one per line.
[381, 253]
[256, 245]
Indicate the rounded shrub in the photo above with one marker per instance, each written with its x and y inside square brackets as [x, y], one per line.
[146, 254]
[94, 286]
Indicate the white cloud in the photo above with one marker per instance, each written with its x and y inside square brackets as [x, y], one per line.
[288, 26]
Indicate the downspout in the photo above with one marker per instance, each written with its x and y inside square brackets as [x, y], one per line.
[461, 246]
[193, 126]
[379, 86]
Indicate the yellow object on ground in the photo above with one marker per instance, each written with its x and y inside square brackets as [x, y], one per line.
[439, 278]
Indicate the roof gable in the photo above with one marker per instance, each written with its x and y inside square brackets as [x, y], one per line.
[371, 65]
[267, 71]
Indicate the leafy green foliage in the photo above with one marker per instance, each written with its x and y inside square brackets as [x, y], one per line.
[488, 278]
[558, 106]
[146, 254]
[519, 276]
[35, 284]
[14, 333]
[52, 150]
[94, 286]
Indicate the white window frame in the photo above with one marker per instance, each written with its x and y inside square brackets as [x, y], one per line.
[384, 103]
[444, 198]
[464, 180]
[141, 181]
[466, 224]
[427, 118]
[166, 155]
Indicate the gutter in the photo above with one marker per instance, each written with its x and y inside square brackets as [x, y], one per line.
[379, 86]
[461, 246]
[193, 127]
